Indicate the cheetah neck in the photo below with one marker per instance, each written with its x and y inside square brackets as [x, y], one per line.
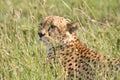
[72, 40]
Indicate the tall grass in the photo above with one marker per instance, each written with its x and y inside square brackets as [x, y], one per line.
[20, 55]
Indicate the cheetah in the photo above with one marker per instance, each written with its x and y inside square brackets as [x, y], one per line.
[79, 62]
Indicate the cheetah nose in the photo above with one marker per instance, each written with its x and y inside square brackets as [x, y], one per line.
[40, 34]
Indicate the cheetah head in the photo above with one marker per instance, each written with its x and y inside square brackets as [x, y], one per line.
[55, 29]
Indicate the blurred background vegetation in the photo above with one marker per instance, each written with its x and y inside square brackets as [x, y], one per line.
[20, 54]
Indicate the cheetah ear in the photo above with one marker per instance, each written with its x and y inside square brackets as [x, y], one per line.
[72, 27]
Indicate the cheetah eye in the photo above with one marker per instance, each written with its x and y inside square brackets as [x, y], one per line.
[51, 27]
